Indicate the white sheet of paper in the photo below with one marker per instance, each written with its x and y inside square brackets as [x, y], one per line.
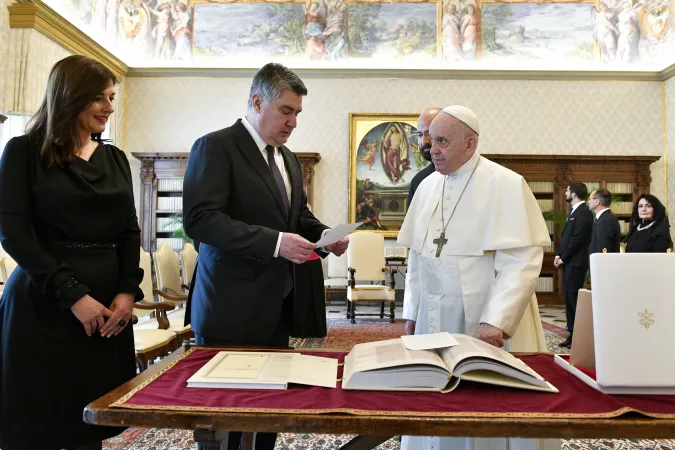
[301, 369]
[429, 341]
[336, 233]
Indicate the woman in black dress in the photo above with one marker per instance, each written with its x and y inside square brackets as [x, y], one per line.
[649, 227]
[67, 217]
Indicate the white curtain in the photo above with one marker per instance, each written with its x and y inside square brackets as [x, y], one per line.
[31, 57]
[15, 125]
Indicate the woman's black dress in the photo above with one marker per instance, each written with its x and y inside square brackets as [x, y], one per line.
[73, 231]
[655, 239]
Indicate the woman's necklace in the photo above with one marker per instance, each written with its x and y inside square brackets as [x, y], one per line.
[639, 228]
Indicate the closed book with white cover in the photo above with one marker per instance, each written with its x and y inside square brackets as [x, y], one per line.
[634, 319]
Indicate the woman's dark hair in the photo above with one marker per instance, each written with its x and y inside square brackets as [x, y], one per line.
[73, 85]
[660, 216]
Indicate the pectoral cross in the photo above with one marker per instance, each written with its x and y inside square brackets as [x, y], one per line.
[440, 242]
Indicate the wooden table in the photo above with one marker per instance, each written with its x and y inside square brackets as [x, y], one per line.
[371, 430]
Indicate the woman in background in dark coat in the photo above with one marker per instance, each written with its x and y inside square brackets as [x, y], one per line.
[649, 227]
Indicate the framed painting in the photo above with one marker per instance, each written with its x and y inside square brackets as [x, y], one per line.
[383, 158]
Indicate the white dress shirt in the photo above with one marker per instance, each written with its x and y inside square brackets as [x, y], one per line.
[278, 158]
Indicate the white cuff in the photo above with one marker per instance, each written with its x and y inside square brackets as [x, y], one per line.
[276, 250]
[323, 233]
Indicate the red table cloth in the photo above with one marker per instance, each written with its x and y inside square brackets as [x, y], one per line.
[167, 390]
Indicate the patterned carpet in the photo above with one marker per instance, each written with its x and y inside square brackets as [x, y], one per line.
[342, 334]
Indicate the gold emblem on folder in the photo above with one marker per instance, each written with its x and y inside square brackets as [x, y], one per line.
[646, 319]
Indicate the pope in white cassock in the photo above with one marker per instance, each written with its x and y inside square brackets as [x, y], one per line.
[476, 236]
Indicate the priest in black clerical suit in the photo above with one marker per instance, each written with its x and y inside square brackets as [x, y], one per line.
[573, 251]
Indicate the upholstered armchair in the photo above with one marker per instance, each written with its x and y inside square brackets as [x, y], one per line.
[365, 261]
[152, 338]
[170, 289]
[337, 279]
[7, 266]
[188, 258]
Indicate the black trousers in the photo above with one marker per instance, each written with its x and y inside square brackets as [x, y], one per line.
[573, 280]
[263, 441]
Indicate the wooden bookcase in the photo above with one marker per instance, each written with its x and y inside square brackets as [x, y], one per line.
[626, 177]
[162, 194]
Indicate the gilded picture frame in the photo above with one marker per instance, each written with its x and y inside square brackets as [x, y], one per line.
[384, 157]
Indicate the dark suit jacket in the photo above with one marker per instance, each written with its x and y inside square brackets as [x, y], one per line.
[233, 207]
[417, 179]
[606, 234]
[575, 237]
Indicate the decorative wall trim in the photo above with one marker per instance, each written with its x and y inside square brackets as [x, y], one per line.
[406, 74]
[668, 72]
[664, 113]
[40, 17]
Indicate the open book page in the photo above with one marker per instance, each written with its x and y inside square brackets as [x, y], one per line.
[475, 355]
[396, 252]
[300, 369]
[389, 353]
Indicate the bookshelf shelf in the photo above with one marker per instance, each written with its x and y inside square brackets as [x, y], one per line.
[162, 194]
[626, 177]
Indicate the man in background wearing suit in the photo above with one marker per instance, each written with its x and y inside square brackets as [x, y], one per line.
[573, 251]
[606, 229]
[424, 144]
[244, 202]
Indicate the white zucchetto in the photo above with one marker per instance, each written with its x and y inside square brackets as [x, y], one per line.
[465, 115]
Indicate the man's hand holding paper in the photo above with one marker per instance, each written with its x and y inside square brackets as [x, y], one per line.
[336, 240]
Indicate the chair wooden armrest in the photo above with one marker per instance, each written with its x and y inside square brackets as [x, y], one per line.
[170, 294]
[185, 286]
[156, 306]
[160, 312]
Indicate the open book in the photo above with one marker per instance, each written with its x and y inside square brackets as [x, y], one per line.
[391, 366]
[396, 252]
[264, 370]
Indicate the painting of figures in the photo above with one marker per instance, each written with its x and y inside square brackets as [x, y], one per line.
[450, 33]
[384, 158]
[530, 31]
[393, 30]
[461, 30]
[240, 30]
[631, 32]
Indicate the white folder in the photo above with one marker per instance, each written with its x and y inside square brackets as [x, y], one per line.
[634, 321]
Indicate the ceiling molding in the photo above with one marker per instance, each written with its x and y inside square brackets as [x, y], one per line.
[40, 17]
[406, 74]
[668, 72]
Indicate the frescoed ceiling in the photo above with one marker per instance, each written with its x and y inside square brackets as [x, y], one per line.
[596, 35]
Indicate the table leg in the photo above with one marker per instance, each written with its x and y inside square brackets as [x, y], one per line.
[211, 440]
[365, 442]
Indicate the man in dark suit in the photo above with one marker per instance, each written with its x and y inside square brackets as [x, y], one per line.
[606, 229]
[424, 143]
[573, 251]
[244, 202]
